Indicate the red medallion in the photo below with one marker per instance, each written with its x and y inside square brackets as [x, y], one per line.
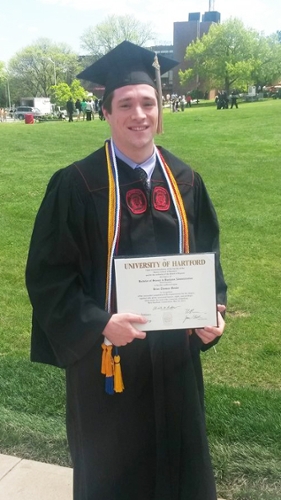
[136, 201]
[161, 199]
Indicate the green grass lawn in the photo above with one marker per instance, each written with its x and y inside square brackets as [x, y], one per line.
[238, 154]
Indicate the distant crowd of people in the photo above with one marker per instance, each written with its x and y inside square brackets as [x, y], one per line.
[84, 109]
[179, 102]
[223, 101]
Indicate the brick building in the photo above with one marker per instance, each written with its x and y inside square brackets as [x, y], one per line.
[185, 32]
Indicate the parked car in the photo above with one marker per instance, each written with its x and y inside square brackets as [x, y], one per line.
[21, 111]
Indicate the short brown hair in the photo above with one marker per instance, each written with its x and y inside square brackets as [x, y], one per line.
[107, 104]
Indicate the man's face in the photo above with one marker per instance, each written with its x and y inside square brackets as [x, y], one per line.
[133, 120]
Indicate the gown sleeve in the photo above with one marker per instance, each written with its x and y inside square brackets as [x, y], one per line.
[66, 318]
[206, 230]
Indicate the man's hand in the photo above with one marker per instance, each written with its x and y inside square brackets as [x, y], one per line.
[120, 329]
[209, 333]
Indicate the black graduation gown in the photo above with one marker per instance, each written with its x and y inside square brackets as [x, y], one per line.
[148, 443]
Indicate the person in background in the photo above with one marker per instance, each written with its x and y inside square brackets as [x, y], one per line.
[70, 109]
[188, 100]
[83, 108]
[233, 98]
[100, 110]
[78, 108]
[96, 105]
[182, 103]
[135, 400]
[89, 110]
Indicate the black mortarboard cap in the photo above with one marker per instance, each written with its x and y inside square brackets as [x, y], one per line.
[126, 64]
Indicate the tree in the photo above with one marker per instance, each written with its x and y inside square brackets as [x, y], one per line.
[268, 61]
[102, 38]
[2, 71]
[231, 56]
[62, 92]
[4, 86]
[39, 66]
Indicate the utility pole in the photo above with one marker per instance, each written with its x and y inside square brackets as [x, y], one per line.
[55, 73]
[8, 92]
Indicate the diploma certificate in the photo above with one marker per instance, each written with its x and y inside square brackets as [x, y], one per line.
[172, 292]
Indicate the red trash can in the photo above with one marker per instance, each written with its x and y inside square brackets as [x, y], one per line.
[29, 118]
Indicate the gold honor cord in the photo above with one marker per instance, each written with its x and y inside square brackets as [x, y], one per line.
[110, 365]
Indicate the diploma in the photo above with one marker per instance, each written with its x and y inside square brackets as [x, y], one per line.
[172, 292]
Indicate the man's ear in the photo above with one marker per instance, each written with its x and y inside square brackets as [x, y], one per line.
[106, 114]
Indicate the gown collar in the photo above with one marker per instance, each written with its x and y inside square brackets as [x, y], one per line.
[147, 165]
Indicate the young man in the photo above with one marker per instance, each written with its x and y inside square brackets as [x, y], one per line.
[149, 441]
[70, 109]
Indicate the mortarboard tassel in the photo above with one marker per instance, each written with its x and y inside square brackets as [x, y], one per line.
[107, 368]
[118, 380]
[103, 346]
[159, 91]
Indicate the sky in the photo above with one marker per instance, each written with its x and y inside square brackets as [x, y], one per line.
[23, 22]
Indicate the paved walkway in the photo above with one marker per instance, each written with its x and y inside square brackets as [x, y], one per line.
[28, 480]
